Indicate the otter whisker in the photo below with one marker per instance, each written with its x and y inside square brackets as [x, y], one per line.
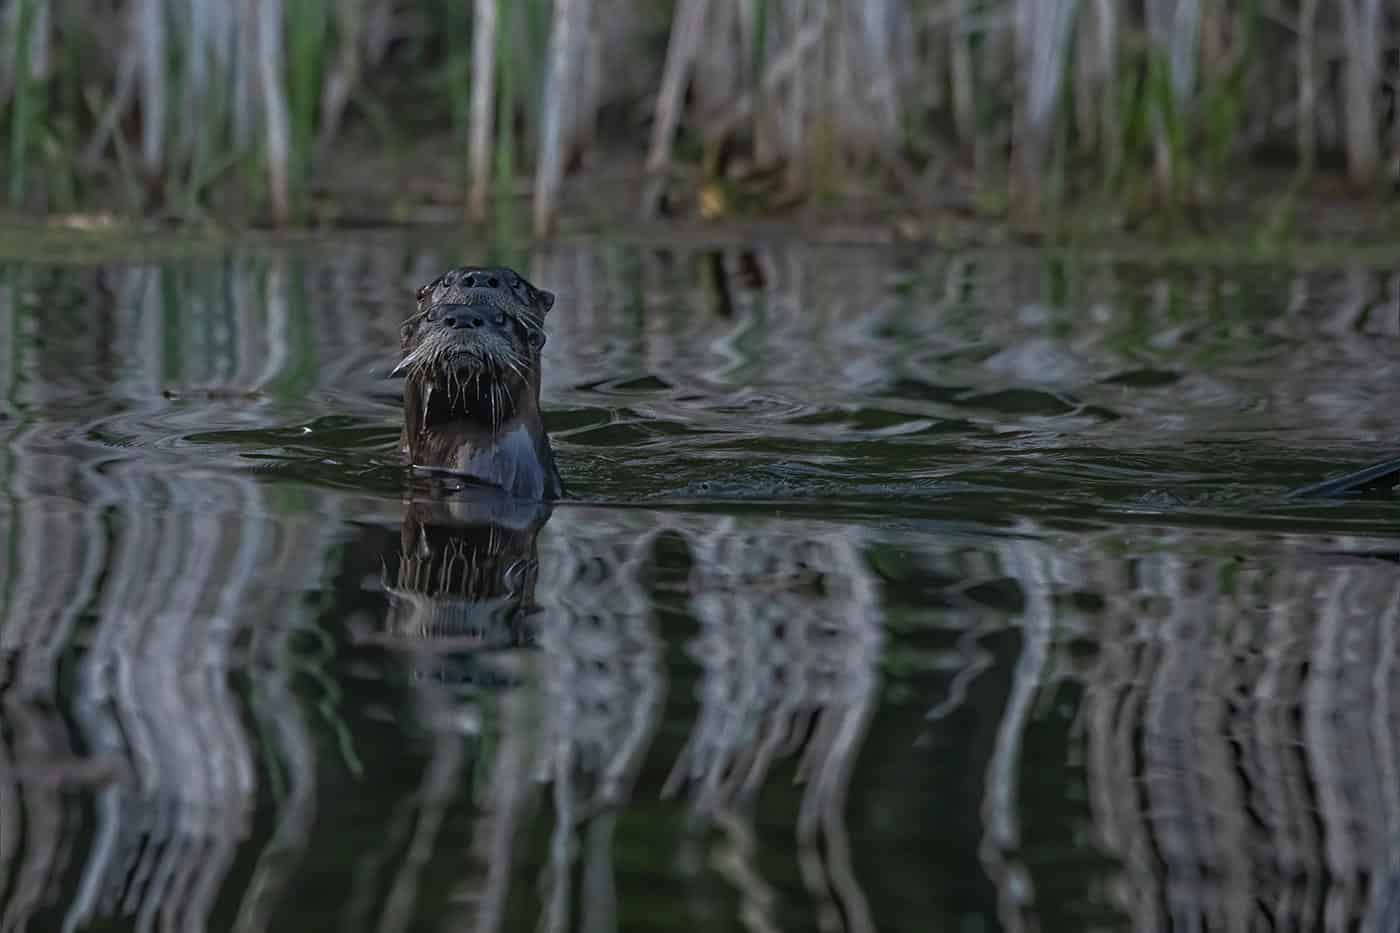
[516, 366]
[457, 381]
[408, 362]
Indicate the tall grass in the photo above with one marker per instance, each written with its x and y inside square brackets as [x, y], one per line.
[190, 106]
[23, 107]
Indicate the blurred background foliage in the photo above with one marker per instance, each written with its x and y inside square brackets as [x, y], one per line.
[285, 111]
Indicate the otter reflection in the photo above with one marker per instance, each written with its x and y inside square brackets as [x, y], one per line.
[467, 570]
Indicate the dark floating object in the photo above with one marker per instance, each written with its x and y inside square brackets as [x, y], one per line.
[1143, 378]
[1379, 478]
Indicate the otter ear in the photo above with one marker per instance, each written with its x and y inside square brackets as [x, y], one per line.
[545, 299]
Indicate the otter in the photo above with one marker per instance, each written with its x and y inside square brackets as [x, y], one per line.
[471, 362]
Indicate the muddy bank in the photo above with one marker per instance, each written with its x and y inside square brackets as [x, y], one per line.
[424, 191]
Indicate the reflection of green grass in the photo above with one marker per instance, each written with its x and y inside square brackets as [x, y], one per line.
[299, 373]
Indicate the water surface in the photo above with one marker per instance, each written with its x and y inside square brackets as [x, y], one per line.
[900, 590]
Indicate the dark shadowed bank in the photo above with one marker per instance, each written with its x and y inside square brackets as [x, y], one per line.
[357, 111]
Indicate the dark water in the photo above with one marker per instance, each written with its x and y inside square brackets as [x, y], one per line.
[904, 591]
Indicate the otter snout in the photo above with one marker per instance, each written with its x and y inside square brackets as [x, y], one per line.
[463, 317]
[472, 321]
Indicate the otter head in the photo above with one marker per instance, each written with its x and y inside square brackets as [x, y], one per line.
[472, 351]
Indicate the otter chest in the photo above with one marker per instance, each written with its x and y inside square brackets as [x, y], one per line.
[512, 461]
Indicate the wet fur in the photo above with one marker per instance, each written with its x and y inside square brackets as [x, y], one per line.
[471, 394]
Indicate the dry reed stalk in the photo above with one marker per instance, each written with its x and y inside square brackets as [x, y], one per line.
[1043, 32]
[785, 68]
[148, 24]
[716, 73]
[1173, 28]
[485, 26]
[344, 74]
[878, 18]
[1362, 33]
[245, 92]
[276, 121]
[581, 120]
[570, 30]
[793, 111]
[755, 38]
[190, 89]
[687, 29]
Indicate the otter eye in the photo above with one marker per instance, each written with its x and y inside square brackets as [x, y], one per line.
[422, 292]
[500, 319]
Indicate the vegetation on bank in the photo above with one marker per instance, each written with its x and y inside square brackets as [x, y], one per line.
[236, 107]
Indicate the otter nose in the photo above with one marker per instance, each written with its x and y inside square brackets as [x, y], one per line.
[464, 319]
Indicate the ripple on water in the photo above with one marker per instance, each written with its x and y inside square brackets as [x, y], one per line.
[1000, 573]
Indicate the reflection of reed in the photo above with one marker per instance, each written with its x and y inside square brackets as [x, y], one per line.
[787, 650]
[602, 688]
[883, 331]
[161, 728]
[1239, 741]
[1235, 721]
[134, 596]
[790, 635]
[715, 321]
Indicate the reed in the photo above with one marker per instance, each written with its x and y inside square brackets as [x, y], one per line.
[309, 24]
[24, 106]
[482, 100]
[191, 106]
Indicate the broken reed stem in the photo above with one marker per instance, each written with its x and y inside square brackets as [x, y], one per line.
[785, 65]
[1361, 29]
